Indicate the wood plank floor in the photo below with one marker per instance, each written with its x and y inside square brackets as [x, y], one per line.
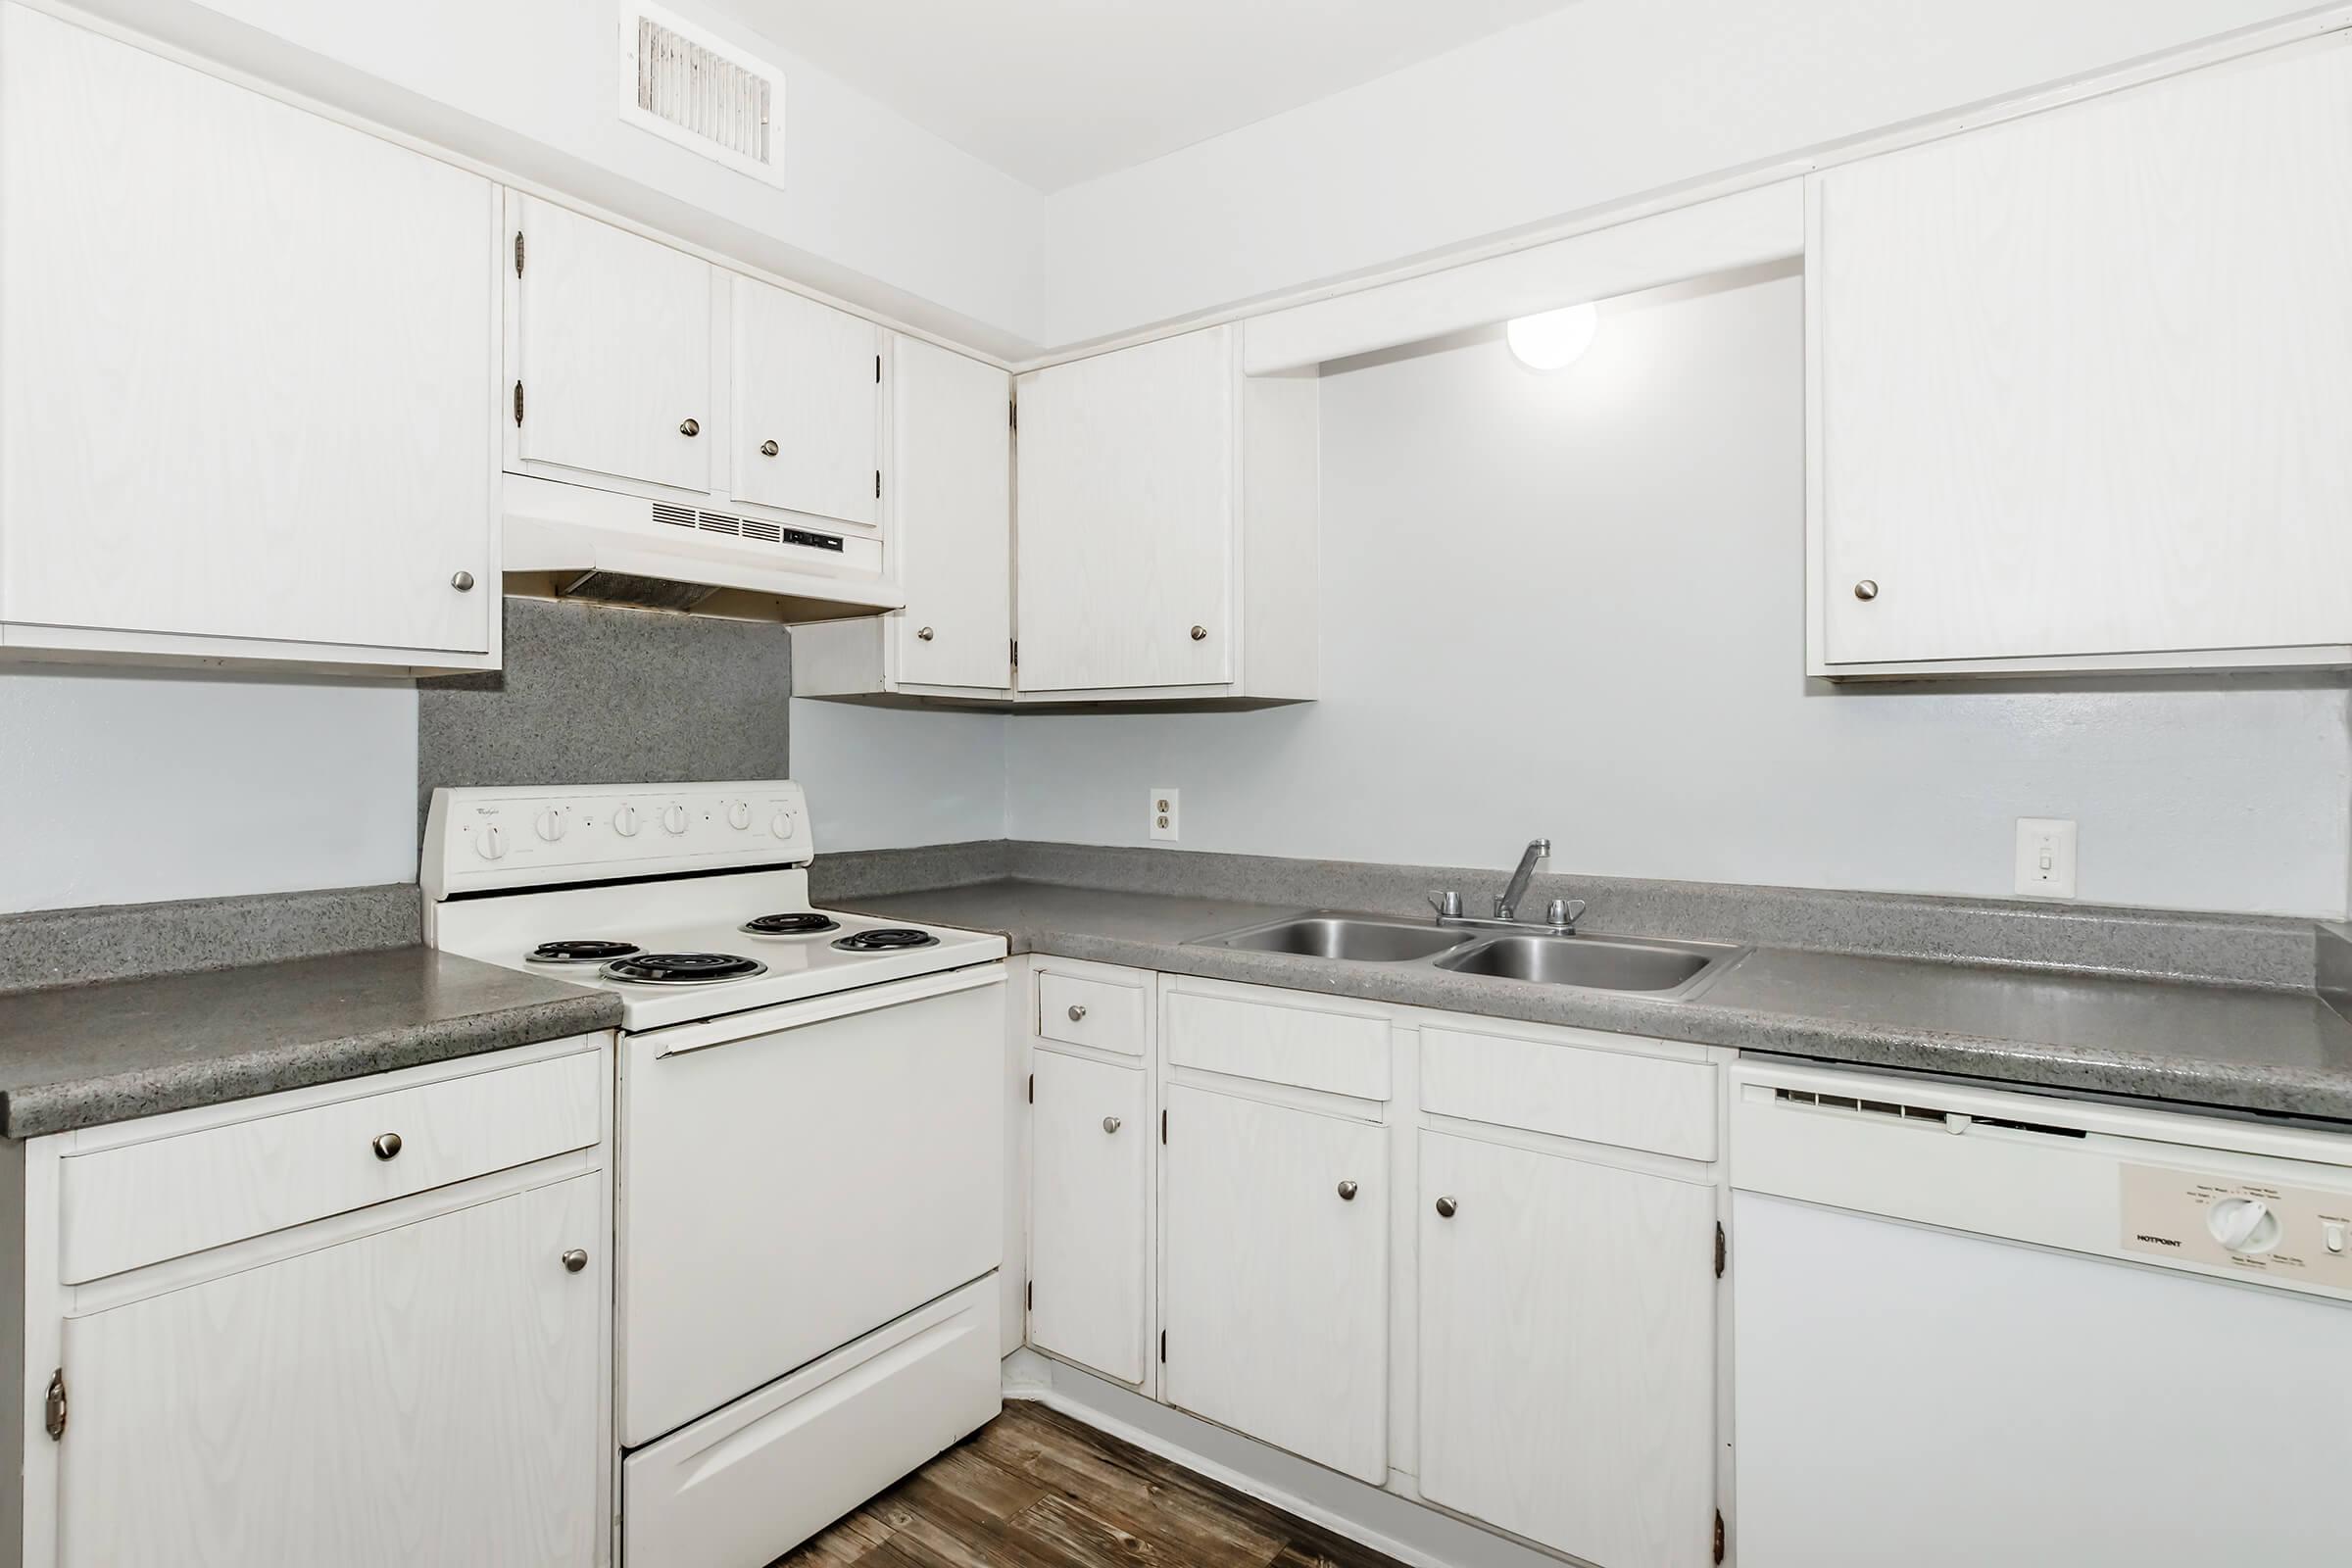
[1034, 1489]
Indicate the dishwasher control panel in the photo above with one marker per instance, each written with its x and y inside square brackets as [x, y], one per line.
[2298, 1237]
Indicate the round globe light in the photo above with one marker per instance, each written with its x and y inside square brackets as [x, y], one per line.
[1554, 339]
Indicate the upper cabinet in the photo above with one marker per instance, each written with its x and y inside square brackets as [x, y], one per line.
[2080, 383]
[608, 349]
[951, 516]
[808, 413]
[248, 397]
[1168, 515]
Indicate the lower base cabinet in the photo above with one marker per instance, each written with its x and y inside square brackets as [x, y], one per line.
[1276, 1276]
[1567, 1351]
[1088, 1228]
[428, 1394]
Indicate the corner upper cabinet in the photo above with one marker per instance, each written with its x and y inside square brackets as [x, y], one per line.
[808, 406]
[1168, 515]
[2080, 383]
[248, 392]
[608, 353]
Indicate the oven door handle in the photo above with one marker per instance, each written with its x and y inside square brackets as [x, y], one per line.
[679, 1039]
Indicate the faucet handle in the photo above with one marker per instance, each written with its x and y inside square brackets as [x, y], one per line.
[1564, 912]
[1447, 904]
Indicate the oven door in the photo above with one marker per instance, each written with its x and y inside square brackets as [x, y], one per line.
[792, 1179]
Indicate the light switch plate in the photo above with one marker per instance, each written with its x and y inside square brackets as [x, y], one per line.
[1163, 814]
[2045, 857]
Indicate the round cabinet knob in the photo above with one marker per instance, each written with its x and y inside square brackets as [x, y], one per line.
[549, 824]
[674, 819]
[690, 427]
[387, 1145]
[1866, 590]
[767, 449]
[2244, 1225]
[1447, 1207]
[1077, 1010]
[923, 636]
[1346, 1192]
[780, 824]
[1199, 633]
[1110, 1124]
[491, 844]
[739, 815]
[625, 820]
[462, 582]
[576, 1261]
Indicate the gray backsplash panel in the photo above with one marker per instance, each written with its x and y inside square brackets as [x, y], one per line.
[114, 941]
[592, 694]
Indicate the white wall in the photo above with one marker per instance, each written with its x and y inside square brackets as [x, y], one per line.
[125, 788]
[1571, 606]
[890, 778]
[1597, 101]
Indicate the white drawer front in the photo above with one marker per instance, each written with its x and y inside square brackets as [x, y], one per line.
[1102, 1014]
[1598, 1096]
[1311, 1047]
[751, 1481]
[139, 1204]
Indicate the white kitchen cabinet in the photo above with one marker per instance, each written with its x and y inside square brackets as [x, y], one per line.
[1090, 1136]
[808, 408]
[1168, 512]
[2080, 383]
[1567, 1351]
[1275, 1275]
[608, 351]
[425, 1394]
[248, 394]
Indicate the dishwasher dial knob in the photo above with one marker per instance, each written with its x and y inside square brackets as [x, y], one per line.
[549, 824]
[2244, 1225]
[739, 815]
[491, 844]
[625, 820]
[674, 819]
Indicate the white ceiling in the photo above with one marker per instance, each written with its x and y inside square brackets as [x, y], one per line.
[1053, 92]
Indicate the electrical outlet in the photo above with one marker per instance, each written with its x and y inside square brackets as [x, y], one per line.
[1163, 814]
[2045, 857]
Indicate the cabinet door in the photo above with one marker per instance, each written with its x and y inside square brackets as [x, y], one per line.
[951, 470]
[611, 344]
[1126, 466]
[1275, 1284]
[248, 389]
[1568, 1352]
[2084, 379]
[1089, 1138]
[425, 1394]
[808, 383]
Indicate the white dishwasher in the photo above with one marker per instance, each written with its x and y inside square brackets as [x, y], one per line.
[1976, 1327]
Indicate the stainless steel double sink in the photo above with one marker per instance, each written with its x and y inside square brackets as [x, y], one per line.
[1647, 965]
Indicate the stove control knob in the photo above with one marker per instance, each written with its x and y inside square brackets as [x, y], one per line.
[674, 819]
[625, 820]
[739, 815]
[2244, 1225]
[491, 844]
[781, 825]
[549, 824]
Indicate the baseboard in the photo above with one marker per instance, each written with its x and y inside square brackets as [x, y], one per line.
[1393, 1525]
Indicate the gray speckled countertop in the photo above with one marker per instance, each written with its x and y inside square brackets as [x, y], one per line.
[2240, 1048]
[82, 1056]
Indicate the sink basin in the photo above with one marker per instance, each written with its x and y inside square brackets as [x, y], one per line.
[1602, 963]
[1325, 934]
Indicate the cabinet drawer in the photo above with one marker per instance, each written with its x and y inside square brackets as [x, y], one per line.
[1306, 1043]
[1598, 1096]
[138, 1203]
[1102, 1014]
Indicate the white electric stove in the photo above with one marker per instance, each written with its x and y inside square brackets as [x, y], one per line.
[808, 1146]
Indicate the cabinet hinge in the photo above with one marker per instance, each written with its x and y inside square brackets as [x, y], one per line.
[877, 484]
[56, 1406]
[518, 253]
[1163, 1126]
[1029, 1296]
[518, 403]
[1163, 1346]
[877, 370]
[1033, 1088]
[1722, 1249]
[1016, 653]
[1719, 1534]
[1012, 415]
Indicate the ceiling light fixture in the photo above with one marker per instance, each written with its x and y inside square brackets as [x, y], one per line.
[1553, 340]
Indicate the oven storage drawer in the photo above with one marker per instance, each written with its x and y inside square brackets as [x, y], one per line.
[750, 1482]
[131, 1205]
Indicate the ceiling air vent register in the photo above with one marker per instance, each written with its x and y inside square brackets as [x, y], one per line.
[697, 89]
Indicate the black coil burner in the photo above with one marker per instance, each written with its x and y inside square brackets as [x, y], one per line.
[791, 925]
[682, 968]
[588, 952]
[885, 939]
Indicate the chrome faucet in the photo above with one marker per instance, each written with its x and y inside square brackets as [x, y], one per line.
[1506, 902]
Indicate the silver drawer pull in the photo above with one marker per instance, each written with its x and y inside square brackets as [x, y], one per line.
[1346, 1192]
[1077, 1010]
[576, 1261]
[387, 1145]
[1110, 1124]
[1447, 1207]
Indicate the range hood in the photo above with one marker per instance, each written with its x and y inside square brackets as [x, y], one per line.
[568, 541]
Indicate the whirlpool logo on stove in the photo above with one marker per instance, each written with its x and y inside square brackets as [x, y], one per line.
[2155, 1241]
